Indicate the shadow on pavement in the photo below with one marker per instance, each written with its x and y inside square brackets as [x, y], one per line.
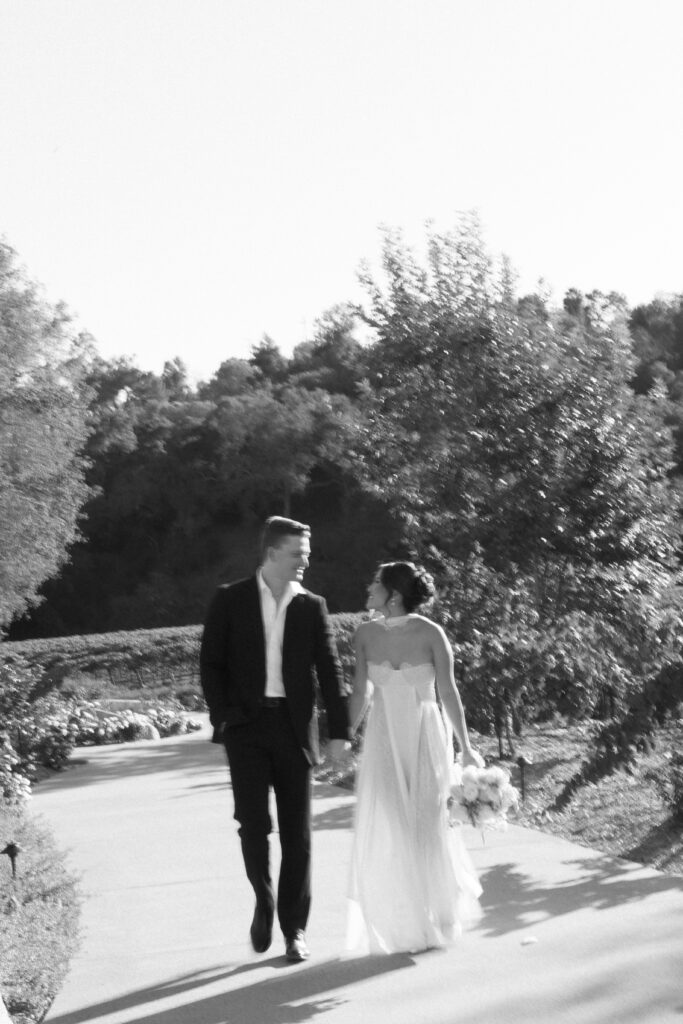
[261, 1002]
[334, 817]
[193, 755]
[511, 898]
[340, 816]
[203, 762]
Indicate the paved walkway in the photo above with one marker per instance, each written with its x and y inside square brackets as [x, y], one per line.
[567, 935]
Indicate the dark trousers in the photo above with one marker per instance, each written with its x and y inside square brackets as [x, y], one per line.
[262, 754]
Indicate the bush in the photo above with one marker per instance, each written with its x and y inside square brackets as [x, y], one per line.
[343, 628]
[15, 788]
[34, 733]
[136, 659]
[39, 915]
[95, 723]
[40, 735]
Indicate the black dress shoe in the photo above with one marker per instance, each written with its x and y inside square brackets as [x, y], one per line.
[261, 931]
[296, 948]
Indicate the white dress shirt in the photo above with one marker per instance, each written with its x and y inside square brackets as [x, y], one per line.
[273, 614]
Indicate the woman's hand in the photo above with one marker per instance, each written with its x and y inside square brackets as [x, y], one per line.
[472, 757]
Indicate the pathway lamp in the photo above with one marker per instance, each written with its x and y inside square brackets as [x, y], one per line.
[12, 851]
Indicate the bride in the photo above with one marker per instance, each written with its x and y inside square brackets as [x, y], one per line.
[412, 883]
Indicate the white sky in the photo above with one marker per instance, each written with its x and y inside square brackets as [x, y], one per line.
[189, 174]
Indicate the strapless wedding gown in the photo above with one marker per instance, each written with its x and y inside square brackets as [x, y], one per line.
[412, 884]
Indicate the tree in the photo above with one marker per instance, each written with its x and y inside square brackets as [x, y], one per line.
[270, 442]
[657, 329]
[233, 377]
[520, 460]
[174, 379]
[180, 483]
[43, 429]
[334, 360]
[267, 358]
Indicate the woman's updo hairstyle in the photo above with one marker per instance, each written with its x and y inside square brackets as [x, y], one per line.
[414, 584]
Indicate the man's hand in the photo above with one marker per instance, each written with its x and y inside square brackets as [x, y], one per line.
[338, 751]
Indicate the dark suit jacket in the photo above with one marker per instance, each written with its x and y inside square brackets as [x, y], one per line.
[233, 663]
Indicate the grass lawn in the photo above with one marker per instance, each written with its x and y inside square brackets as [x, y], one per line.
[626, 814]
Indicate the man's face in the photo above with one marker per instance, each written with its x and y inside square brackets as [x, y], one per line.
[289, 560]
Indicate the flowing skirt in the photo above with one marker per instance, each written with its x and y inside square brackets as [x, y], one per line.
[412, 883]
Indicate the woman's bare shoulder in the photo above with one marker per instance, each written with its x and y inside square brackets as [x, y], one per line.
[429, 629]
[365, 629]
[424, 623]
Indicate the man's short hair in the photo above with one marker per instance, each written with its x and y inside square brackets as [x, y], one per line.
[276, 529]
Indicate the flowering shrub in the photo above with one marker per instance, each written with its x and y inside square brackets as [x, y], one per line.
[42, 737]
[17, 680]
[15, 788]
[482, 796]
[41, 732]
[94, 724]
[32, 733]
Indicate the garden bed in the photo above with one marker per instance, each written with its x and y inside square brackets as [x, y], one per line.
[39, 915]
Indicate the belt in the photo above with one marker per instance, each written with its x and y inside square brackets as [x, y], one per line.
[275, 703]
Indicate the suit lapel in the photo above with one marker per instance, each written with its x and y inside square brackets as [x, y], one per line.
[253, 618]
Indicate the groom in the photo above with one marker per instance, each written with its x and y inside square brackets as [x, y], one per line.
[265, 641]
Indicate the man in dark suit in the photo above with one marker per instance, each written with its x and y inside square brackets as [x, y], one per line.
[265, 642]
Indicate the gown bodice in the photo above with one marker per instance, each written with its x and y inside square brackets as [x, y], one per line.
[394, 683]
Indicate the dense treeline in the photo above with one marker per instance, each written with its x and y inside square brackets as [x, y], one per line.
[530, 455]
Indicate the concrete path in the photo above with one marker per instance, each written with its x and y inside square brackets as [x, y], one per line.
[567, 935]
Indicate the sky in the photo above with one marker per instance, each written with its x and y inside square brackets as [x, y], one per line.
[189, 175]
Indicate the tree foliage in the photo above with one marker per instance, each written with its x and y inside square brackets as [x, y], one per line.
[526, 472]
[182, 480]
[43, 429]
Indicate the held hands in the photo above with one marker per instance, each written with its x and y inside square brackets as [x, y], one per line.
[338, 752]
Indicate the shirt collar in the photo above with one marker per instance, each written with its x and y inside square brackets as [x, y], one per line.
[292, 588]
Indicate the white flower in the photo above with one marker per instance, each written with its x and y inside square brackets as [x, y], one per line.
[485, 814]
[481, 796]
[470, 791]
[496, 776]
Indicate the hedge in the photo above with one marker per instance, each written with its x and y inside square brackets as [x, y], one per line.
[136, 658]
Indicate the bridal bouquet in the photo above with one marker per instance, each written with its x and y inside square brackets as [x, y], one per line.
[481, 797]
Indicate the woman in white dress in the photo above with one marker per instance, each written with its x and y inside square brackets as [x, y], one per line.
[412, 883]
